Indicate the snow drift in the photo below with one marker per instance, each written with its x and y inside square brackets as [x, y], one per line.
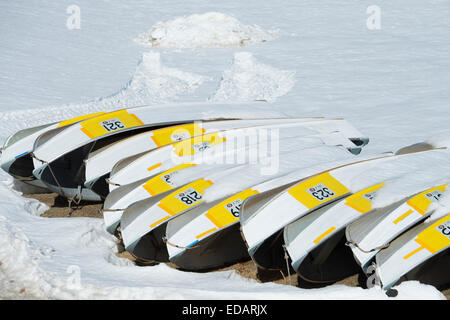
[208, 30]
[249, 80]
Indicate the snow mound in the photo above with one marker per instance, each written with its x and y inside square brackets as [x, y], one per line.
[153, 82]
[249, 80]
[208, 30]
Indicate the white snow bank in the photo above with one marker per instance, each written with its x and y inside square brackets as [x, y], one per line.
[208, 30]
[74, 258]
[249, 80]
[152, 83]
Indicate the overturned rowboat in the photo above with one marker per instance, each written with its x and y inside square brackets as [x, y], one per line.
[420, 253]
[319, 249]
[315, 242]
[17, 150]
[370, 233]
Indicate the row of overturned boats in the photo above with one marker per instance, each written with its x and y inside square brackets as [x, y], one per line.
[207, 185]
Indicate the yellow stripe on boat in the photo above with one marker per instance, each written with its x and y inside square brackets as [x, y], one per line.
[409, 255]
[323, 235]
[159, 221]
[403, 216]
[154, 166]
[205, 233]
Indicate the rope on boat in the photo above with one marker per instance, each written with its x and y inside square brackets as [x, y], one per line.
[110, 210]
[286, 258]
[350, 243]
[77, 203]
[284, 278]
[166, 241]
[69, 200]
[108, 181]
[29, 178]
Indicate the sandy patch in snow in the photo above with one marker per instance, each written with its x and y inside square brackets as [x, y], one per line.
[58, 207]
[208, 30]
[249, 80]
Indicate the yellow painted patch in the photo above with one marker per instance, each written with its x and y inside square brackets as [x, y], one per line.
[159, 184]
[433, 238]
[323, 235]
[197, 144]
[153, 167]
[360, 200]
[409, 255]
[173, 203]
[420, 202]
[159, 221]
[221, 214]
[302, 192]
[205, 233]
[96, 127]
[80, 118]
[172, 134]
[403, 216]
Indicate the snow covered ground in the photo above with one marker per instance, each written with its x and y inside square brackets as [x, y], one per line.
[304, 59]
